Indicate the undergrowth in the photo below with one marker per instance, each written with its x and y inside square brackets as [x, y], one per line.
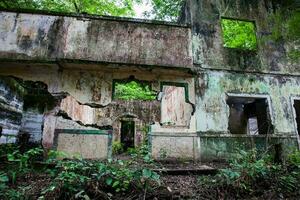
[252, 175]
[248, 175]
[77, 178]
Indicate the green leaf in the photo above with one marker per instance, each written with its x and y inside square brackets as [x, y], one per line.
[115, 184]
[147, 173]
[109, 181]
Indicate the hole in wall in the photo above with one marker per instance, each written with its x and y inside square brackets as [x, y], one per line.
[133, 89]
[249, 115]
[239, 34]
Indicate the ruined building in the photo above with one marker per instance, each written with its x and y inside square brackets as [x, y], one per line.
[58, 74]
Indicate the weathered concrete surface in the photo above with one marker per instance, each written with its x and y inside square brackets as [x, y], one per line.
[222, 147]
[176, 110]
[171, 146]
[11, 107]
[207, 38]
[83, 145]
[32, 122]
[86, 99]
[212, 111]
[50, 38]
[189, 122]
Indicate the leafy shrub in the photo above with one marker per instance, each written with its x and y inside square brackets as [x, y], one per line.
[25, 160]
[141, 153]
[250, 175]
[74, 177]
[117, 147]
[294, 159]
[7, 149]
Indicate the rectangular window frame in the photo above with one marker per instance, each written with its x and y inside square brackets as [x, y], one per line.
[243, 20]
[125, 80]
[248, 95]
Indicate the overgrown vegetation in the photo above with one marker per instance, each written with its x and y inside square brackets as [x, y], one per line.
[285, 27]
[248, 175]
[239, 34]
[251, 175]
[133, 91]
[74, 179]
[166, 10]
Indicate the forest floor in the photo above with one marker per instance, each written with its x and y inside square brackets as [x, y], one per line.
[29, 175]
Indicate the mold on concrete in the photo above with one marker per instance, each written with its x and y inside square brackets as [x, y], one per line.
[210, 99]
[49, 38]
[207, 37]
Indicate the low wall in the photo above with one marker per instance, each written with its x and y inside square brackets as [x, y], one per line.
[222, 147]
[174, 145]
[88, 144]
[210, 147]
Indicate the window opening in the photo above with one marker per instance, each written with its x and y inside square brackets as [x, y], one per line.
[133, 90]
[249, 115]
[239, 34]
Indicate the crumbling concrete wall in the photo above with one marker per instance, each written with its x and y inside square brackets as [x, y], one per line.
[32, 123]
[265, 72]
[205, 16]
[213, 109]
[85, 102]
[96, 39]
[11, 108]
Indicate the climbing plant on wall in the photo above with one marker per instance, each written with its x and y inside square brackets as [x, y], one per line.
[239, 34]
[133, 91]
[286, 20]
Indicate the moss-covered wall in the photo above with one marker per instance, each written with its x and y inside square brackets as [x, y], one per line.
[218, 147]
[207, 40]
[212, 111]
[48, 38]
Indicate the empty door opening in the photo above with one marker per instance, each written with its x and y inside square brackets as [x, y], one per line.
[127, 134]
[297, 112]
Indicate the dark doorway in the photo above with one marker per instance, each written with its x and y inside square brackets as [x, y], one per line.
[249, 116]
[297, 111]
[127, 134]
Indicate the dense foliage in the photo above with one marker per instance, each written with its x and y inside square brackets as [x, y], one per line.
[167, 10]
[133, 91]
[100, 7]
[161, 9]
[252, 176]
[239, 34]
[74, 179]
